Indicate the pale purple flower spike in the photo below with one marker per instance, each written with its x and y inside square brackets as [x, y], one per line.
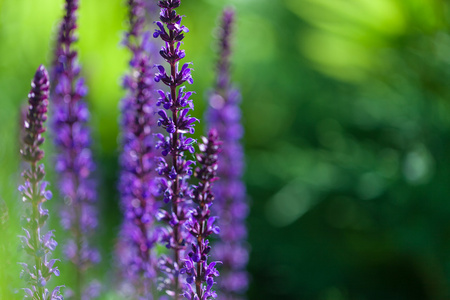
[74, 163]
[137, 187]
[224, 114]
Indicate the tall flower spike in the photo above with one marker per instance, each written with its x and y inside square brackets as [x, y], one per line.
[35, 241]
[174, 169]
[137, 187]
[201, 224]
[74, 163]
[224, 114]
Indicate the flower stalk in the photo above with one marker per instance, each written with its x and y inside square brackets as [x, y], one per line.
[36, 242]
[173, 167]
[201, 275]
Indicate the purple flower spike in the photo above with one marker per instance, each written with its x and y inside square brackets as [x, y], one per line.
[137, 161]
[200, 274]
[74, 164]
[224, 114]
[173, 167]
[38, 244]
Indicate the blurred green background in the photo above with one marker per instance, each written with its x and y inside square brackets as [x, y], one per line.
[346, 107]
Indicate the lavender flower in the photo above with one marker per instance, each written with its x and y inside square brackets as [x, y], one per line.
[74, 163]
[36, 242]
[173, 167]
[224, 114]
[137, 188]
[201, 224]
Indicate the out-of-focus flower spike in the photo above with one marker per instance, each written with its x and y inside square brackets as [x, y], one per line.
[138, 236]
[74, 162]
[224, 114]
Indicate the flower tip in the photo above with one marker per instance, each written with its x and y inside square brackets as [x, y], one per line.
[41, 72]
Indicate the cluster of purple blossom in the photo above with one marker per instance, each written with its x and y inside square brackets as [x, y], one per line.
[165, 199]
